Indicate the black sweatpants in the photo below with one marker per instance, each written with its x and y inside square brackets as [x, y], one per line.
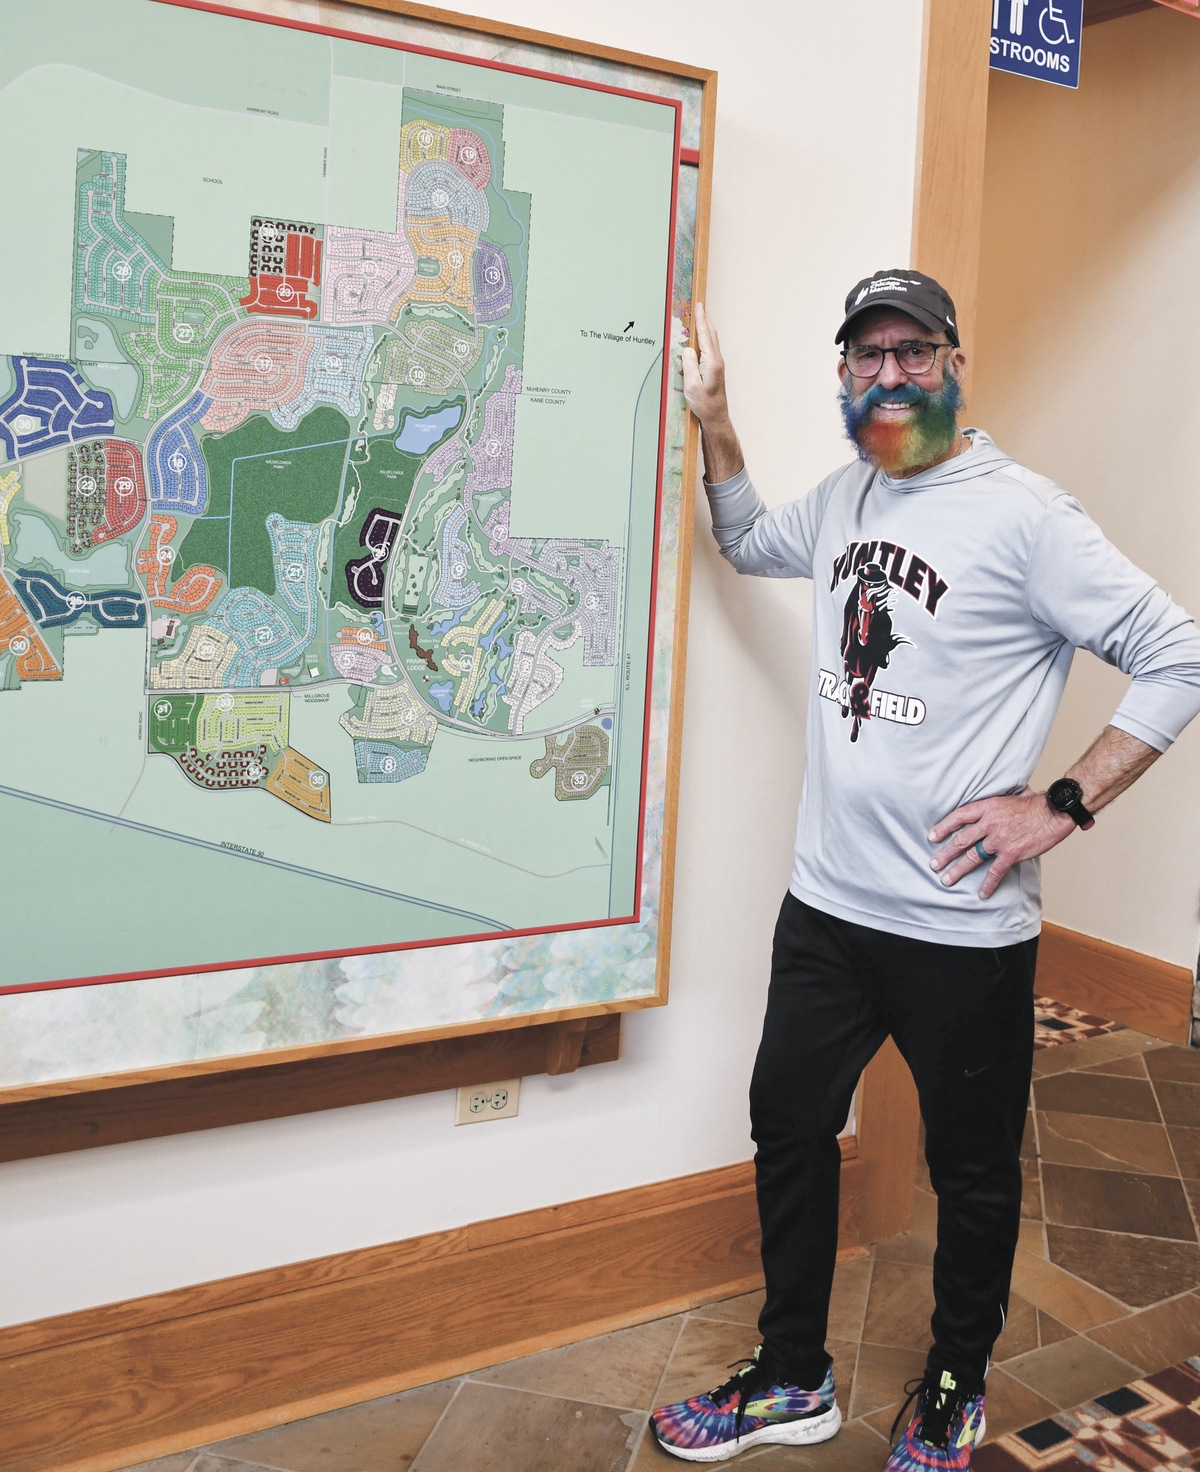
[962, 1017]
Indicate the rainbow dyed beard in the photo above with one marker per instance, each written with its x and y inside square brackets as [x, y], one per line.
[902, 448]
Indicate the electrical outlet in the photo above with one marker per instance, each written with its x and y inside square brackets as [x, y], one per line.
[488, 1101]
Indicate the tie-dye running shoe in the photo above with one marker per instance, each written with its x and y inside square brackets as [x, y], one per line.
[945, 1426]
[750, 1409]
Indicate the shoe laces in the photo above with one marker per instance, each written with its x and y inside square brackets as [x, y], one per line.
[752, 1376]
[937, 1406]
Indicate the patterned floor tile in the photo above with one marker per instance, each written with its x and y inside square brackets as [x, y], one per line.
[1150, 1423]
[1055, 1023]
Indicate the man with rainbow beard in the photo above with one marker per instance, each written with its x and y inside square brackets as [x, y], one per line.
[951, 588]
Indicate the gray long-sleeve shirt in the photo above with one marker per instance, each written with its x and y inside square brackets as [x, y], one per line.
[947, 610]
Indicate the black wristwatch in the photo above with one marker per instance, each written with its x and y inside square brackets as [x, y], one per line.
[1066, 796]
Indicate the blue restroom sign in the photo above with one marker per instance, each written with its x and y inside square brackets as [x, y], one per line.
[1038, 38]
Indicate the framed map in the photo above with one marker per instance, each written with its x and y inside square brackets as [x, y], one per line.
[340, 546]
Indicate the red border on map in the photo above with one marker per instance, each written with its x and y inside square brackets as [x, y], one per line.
[680, 156]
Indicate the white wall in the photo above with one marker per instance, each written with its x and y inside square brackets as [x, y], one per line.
[809, 197]
[1089, 273]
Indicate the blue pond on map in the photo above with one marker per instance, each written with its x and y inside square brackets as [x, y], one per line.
[420, 433]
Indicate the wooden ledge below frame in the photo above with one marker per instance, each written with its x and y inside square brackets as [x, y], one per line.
[83, 1118]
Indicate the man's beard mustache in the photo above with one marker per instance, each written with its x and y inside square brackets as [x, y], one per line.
[913, 444]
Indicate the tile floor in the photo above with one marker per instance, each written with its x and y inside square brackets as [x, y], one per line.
[1057, 1023]
[1153, 1423]
[1106, 1289]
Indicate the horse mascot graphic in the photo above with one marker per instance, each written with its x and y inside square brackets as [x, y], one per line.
[867, 640]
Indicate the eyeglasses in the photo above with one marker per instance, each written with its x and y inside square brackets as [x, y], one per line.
[866, 360]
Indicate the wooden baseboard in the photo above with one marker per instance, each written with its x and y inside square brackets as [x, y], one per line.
[114, 1386]
[1124, 986]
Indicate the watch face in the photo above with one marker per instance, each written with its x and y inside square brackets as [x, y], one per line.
[1064, 793]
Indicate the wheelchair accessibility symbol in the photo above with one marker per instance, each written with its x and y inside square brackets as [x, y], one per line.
[1038, 38]
[1058, 34]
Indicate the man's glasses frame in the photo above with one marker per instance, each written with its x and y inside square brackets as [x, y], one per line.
[913, 356]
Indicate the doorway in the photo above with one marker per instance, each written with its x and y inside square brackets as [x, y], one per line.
[1087, 370]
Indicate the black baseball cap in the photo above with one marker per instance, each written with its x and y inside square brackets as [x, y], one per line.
[920, 296]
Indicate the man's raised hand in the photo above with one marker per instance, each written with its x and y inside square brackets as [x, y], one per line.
[704, 393]
[704, 370]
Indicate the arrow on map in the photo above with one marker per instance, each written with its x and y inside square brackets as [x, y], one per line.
[630, 325]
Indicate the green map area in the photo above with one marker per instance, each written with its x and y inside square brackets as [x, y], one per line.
[329, 426]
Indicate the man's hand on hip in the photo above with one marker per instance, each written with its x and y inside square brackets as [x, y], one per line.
[704, 393]
[1010, 829]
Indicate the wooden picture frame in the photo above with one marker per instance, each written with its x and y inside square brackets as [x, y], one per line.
[131, 1102]
[65, 1115]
